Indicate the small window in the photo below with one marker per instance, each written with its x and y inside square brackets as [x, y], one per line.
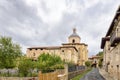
[30, 49]
[41, 49]
[73, 41]
[35, 49]
[95, 62]
[111, 66]
[118, 29]
[62, 50]
[117, 65]
[64, 60]
[33, 54]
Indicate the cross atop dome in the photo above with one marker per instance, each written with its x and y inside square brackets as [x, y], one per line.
[74, 30]
[74, 34]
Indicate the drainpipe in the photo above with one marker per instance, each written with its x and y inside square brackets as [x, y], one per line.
[118, 64]
[118, 71]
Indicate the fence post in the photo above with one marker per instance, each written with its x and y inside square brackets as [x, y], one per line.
[40, 76]
[66, 71]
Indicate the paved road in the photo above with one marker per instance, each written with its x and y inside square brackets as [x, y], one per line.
[93, 75]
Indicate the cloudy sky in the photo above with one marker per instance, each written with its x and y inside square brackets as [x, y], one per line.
[50, 22]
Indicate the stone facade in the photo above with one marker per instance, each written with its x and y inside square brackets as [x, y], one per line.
[111, 48]
[73, 51]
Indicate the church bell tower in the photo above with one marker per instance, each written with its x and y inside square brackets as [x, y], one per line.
[74, 37]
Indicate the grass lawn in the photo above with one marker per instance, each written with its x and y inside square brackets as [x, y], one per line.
[81, 75]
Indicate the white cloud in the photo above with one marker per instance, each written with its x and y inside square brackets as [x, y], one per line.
[88, 3]
[73, 7]
[54, 10]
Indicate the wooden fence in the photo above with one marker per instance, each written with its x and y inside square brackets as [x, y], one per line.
[62, 74]
[48, 76]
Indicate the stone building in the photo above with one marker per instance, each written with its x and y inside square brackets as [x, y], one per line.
[95, 60]
[73, 51]
[111, 48]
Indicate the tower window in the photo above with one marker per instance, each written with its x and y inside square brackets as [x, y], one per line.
[73, 41]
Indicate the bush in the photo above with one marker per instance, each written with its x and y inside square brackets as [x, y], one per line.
[45, 63]
[100, 63]
[88, 63]
[48, 63]
[25, 66]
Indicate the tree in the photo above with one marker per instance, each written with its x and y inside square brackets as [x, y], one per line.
[9, 52]
[100, 54]
[101, 58]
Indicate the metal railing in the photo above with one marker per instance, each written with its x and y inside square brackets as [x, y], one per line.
[75, 68]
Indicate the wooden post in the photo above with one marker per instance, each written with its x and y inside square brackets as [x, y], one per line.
[66, 71]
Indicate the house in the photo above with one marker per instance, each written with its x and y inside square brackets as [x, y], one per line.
[94, 60]
[111, 48]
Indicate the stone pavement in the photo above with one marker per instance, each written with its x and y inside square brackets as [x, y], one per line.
[105, 74]
[93, 75]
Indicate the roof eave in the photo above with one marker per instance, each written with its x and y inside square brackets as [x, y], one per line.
[112, 24]
[104, 39]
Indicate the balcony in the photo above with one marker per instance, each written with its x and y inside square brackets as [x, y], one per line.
[115, 37]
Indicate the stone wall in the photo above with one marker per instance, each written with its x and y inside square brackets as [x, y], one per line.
[112, 60]
[114, 66]
[18, 78]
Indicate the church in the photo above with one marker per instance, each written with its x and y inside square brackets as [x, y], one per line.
[74, 51]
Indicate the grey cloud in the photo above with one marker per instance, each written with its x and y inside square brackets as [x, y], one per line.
[20, 21]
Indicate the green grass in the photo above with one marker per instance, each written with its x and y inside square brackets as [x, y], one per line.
[81, 75]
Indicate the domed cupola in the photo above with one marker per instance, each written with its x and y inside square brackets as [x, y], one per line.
[74, 37]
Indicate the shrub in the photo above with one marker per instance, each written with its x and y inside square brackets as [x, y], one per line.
[88, 63]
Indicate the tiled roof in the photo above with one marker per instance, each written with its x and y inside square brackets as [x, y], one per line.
[74, 44]
[45, 47]
[52, 47]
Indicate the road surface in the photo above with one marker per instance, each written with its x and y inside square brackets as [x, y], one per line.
[93, 75]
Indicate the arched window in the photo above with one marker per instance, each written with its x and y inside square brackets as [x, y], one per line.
[73, 41]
